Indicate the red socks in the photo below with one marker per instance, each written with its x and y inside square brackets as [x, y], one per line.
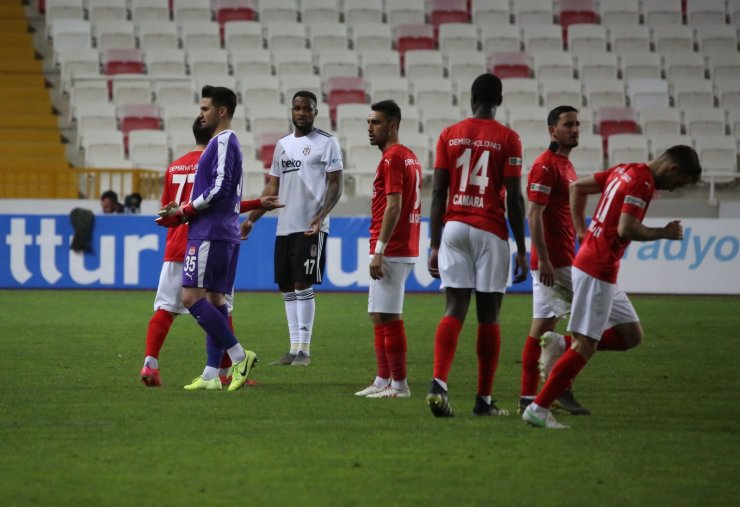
[395, 349]
[488, 346]
[530, 367]
[445, 344]
[561, 377]
[156, 333]
[383, 370]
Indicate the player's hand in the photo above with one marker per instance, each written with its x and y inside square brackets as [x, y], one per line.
[169, 209]
[174, 211]
[314, 226]
[376, 267]
[520, 269]
[547, 273]
[674, 230]
[169, 221]
[245, 228]
[270, 202]
[432, 263]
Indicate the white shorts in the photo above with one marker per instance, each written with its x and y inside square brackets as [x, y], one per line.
[471, 258]
[597, 306]
[386, 295]
[548, 302]
[169, 290]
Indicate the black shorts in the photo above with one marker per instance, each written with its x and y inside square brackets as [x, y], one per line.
[300, 258]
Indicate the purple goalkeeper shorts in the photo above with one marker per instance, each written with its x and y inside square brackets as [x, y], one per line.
[210, 265]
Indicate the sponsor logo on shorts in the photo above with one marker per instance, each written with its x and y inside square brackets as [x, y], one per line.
[314, 251]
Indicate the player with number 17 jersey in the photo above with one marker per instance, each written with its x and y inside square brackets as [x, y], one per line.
[178, 185]
[626, 188]
[482, 153]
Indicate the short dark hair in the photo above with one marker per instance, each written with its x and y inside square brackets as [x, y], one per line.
[389, 108]
[487, 89]
[221, 97]
[109, 194]
[202, 136]
[554, 115]
[306, 94]
[687, 160]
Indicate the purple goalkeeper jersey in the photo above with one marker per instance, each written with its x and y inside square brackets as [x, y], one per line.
[217, 190]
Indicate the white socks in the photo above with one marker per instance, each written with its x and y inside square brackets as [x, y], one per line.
[305, 310]
[236, 353]
[291, 313]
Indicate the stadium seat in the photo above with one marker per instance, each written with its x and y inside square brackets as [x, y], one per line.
[555, 64]
[419, 144]
[157, 34]
[387, 87]
[648, 92]
[70, 34]
[615, 120]
[458, 37]
[62, 9]
[682, 65]
[113, 34]
[319, 11]
[327, 35]
[93, 117]
[260, 89]
[337, 63]
[718, 155]
[431, 92]
[588, 157]
[150, 10]
[103, 145]
[629, 39]
[208, 62]
[625, 148]
[353, 118]
[660, 121]
[529, 118]
[576, 12]
[490, 12]
[191, 10]
[179, 117]
[520, 92]
[122, 61]
[413, 37]
[705, 13]
[673, 38]
[228, 11]
[624, 12]
[137, 117]
[717, 38]
[733, 120]
[252, 62]
[363, 11]
[266, 142]
[199, 35]
[290, 84]
[88, 91]
[500, 39]
[704, 121]
[423, 63]
[510, 65]
[173, 91]
[292, 61]
[243, 36]
[74, 62]
[584, 37]
[434, 119]
[661, 12]
[689, 93]
[660, 143]
[733, 12]
[278, 11]
[367, 37]
[597, 65]
[533, 12]
[556, 92]
[542, 38]
[724, 65]
[465, 65]
[604, 93]
[265, 118]
[148, 149]
[640, 65]
[408, 12]
[343, 90]
[727, 90]
[375, 63]
[132, 89]
[285, 35]
[447, 11]
[165, 62]
[112, 10]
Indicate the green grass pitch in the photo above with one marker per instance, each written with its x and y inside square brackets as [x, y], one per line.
[77, 427]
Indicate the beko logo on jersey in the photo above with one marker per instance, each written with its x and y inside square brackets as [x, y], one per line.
[290, 164]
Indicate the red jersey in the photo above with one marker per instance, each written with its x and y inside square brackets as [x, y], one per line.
[626, 188]
[479, 154]
[399, 172]
[178, 185]
[547, 184]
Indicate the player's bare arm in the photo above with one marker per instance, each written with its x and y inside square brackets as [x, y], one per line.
[515, 212]
[537, 233]
[335, 186]
[271, 189]
[579, 192]
[440, 187]
[390, 219]
[631, 228]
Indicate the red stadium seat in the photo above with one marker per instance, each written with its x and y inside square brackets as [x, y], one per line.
[448, 11]
[414, 37]
[344, 90]
[123, 61]
[137, 117]
[234, 10]
[616, 120]
[266, 147]
[577, 11]
[506, 65]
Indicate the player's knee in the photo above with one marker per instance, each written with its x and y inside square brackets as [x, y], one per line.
[584, 345]
[633, 338]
